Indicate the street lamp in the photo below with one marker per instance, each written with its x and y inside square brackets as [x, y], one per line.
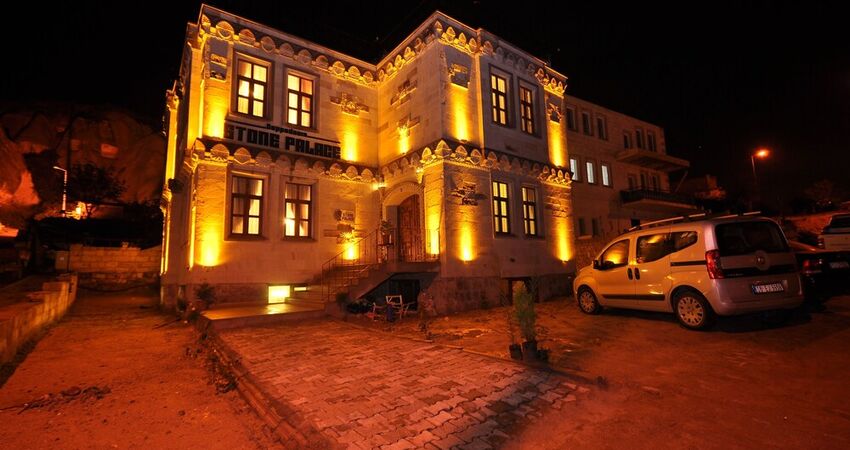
[64, 188]
[761, 153]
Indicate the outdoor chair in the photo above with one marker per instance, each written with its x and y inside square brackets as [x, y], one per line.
[396, 302]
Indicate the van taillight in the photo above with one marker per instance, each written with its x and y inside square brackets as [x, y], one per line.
[812, 266]
[712, 262]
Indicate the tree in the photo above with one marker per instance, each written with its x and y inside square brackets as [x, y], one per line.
[93, 185]
[823, 194]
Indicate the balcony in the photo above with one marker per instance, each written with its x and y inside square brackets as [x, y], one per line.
[652, 160]
[657, 200]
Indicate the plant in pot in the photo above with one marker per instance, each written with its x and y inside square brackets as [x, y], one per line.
[514, 348]
[527, 321]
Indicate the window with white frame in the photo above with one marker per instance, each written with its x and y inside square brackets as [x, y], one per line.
[591, 172]
[574, 169]
[605, 173]
[526, 109]
[586, 124]
[602, 127]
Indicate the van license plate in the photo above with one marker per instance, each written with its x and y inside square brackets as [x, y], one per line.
[768, 288]
[839, 265]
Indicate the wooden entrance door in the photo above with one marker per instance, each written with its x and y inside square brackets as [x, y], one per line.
[409, 230]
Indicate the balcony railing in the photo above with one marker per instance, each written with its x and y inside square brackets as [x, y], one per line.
[635, 195]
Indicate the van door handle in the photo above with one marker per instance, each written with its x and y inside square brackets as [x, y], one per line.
[637, 273]
[629, 271]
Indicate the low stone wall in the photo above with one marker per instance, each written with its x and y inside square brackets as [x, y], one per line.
[226, 293]
[22, 320]
[464, 294]
[111, 267]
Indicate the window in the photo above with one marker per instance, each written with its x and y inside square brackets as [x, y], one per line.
[602, 127]
[617, 255]
[747, 237]
[571, 119]
[499, 98]
[591, 172]
[653, 247]
[529, 211]
[639, 138]
[526, 110]
[656, 183]
[501, 214]
[605, 169]
[582, 231]
[594, 223]
[642, 180]
[298, 202]
[627, 140]
[246, 206]
[586, 125]
[251, 80]
[299, 104]
[574, 169]
[650, 140]
[632, 182]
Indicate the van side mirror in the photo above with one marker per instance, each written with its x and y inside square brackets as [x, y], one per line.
[596, 264]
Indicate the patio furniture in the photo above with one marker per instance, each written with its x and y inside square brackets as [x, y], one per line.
[396, 302]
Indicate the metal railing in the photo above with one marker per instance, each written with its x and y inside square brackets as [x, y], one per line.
[649, 194]
[360, 256]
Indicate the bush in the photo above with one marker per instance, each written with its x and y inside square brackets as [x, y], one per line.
[526, 317]
[206, 294]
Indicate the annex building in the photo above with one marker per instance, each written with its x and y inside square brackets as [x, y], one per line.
[294, 168]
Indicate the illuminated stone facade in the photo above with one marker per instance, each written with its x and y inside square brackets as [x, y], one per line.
[412, 144]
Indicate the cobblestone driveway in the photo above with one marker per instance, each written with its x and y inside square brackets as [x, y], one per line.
[362, 389]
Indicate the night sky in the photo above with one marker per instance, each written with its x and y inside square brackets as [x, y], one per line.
[722, 79]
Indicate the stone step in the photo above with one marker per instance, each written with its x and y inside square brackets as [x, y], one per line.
[257, 315]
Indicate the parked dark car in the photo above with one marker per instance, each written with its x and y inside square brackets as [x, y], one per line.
[824, 273]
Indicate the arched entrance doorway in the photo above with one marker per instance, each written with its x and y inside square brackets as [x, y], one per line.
[409, 225]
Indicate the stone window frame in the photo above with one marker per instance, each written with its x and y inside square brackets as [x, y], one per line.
[267, 86]
[587, 125]
[314, 116]
[639, 143]
[531, 107]
[509, 80]
[627, 140]
[602, 127]
[531, 205]
[651, 143]
[590, 175]
[263, 216]
[297, 202]
[501, 207]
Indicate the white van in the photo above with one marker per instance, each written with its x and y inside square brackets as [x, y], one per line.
[695, 267]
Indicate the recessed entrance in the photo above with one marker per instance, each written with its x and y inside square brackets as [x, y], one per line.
[409, 230]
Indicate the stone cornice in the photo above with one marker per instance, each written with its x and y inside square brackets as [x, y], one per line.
[220, 152]
[489, 159]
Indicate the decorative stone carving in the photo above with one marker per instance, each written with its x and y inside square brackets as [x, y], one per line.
[405, 124]
[403, 93]
[464, 193]
[459, 75]
[267, 44]
[554, 112]
[350, 104]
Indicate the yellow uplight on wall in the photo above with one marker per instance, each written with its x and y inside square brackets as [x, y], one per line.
[467, 252]
[279, 294]
[557, 155]
[460, 125]
[210, 250]
[214, 120]
[349, 144]
[403, 140]
[350, 252]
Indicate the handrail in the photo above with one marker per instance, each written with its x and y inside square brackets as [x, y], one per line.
[360, 256]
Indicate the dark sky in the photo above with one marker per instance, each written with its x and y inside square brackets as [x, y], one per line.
[722, 78]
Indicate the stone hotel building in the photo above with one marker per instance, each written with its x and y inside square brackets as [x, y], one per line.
[299, 173]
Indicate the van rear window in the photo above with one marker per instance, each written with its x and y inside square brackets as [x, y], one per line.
[746, 237]
[840, 222]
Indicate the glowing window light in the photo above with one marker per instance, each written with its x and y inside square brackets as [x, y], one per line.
[279, 294]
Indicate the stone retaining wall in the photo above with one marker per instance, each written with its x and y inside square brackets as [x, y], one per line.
[111, 267]
[22, 320]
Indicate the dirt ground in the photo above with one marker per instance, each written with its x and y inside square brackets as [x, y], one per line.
[745, 384]
[104, 377]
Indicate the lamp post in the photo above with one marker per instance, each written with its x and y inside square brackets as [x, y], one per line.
[64, 188]
[761, 153]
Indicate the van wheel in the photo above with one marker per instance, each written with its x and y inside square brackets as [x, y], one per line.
[587, 302]
[692, 310]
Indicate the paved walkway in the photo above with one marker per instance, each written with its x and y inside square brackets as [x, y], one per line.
[366, 389]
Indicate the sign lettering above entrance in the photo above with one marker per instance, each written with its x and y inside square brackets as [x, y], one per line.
[279, 138]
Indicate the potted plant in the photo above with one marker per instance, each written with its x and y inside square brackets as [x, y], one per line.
[513, 348]
[526, 320]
